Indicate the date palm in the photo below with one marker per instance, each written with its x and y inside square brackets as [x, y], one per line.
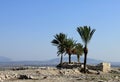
[86, 34]
[59, 41]
[78, 50]
[69, 46]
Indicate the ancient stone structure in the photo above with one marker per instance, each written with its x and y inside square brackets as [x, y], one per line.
[105, 67]
[69, 66]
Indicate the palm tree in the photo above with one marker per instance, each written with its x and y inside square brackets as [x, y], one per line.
[86, 34]
[78, 50]
[69, 46]
[60, 52]
[59, 41]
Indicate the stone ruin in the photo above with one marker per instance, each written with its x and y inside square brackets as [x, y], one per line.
[69, 66]
[104, 67]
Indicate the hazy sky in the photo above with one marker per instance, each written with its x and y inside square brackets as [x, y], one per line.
[27, 27]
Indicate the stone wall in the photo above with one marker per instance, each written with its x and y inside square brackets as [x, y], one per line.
[69, 66]
[104, 67]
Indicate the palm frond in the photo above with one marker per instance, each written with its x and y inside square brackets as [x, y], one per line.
[91, 33]
[86, 33]
[78, 49]
[55, 42]
[59, 40]
[69, 45]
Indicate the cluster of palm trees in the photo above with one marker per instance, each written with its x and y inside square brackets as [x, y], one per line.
[69, 46]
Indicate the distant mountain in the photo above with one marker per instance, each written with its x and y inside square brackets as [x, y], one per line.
[89, 61]
[51, 62]
[74, 59]
[4, 59]
[115, 64]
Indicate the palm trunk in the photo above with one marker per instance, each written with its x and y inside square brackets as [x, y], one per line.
[61, 59]
[85, 61]
[69, 58]
[85, 58]
[78, 58]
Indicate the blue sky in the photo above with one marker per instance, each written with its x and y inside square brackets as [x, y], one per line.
[27, 27]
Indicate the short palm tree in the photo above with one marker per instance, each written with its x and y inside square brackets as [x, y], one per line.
[69, 46]
[59, 41]
[78, 50]
[86, 34]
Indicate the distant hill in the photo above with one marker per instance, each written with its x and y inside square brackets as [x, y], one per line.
[6, 62]
[74, 59]
[4, 59]
[115, 64]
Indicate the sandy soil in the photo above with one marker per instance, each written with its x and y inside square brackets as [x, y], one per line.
[50, 74]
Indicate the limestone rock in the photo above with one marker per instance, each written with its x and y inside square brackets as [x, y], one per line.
[25, 77]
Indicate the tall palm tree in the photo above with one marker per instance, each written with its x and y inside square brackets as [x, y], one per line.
[78, 50]
[86, 34]
[59, 41]
[69, 46]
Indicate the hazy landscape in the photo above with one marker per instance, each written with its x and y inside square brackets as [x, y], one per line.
[52, 74]
[59, 41]
[4, 61]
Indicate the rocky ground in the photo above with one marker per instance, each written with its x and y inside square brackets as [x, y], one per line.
[52, 74]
